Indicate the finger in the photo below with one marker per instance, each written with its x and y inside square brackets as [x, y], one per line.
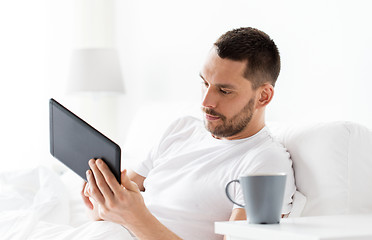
[109, 176]
[85, 198]
[86, 190]
[100, 181]
[94, 190]
[127, 183]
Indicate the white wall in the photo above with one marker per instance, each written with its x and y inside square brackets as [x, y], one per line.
[325, 48]
[23, 119]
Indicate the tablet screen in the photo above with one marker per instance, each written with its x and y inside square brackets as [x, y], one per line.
[74, 142]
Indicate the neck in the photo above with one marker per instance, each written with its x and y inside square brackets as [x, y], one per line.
[254, 126]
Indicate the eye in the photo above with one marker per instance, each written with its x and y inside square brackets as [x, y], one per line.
[224, 92]
[205, 83]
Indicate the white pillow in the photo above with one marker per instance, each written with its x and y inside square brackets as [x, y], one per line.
[332, 164]
[360, 169]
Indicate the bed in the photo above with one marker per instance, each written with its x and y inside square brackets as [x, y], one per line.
[40, 204]
[332, 164]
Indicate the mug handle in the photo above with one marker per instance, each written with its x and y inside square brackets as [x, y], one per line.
[228, 195]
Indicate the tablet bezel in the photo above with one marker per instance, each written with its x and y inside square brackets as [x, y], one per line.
[114, 149]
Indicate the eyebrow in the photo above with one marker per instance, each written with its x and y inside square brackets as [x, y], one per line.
[221, 85]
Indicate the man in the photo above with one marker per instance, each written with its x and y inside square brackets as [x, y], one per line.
[184, 177]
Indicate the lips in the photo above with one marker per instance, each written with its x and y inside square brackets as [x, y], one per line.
[211, 117]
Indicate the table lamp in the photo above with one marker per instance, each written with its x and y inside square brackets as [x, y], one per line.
[95, 70]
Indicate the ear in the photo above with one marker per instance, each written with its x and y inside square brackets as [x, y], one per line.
[266, 93]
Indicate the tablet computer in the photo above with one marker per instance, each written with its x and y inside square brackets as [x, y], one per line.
[74, 142]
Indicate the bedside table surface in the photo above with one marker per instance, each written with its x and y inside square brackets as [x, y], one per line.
[337, 227]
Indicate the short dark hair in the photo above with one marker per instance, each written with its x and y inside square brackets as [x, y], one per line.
[255, 47]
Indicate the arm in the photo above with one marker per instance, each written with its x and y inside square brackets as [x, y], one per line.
[138, 179]
[123, 203]
[236, 215]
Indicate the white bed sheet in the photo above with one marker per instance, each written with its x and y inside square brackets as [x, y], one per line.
[39, 204]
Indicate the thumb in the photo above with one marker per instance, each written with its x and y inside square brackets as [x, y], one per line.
[127, 183]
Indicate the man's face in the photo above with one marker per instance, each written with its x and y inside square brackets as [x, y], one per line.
[228, 97]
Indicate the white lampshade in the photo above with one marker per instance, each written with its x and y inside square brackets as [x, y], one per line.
[95, 70]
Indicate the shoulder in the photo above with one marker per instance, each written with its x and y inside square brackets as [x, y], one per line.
[185, 123]
[180, 130]
[267, 155]
[273, 159]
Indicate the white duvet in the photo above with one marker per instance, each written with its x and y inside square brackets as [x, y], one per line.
[38, 204]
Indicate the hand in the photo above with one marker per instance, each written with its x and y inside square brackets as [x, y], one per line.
[90, 203]
[123, 203]
[85, 196]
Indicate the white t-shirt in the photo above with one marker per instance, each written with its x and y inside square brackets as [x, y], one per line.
[187, 172]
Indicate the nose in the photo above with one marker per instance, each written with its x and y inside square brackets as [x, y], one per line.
[209, 98]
